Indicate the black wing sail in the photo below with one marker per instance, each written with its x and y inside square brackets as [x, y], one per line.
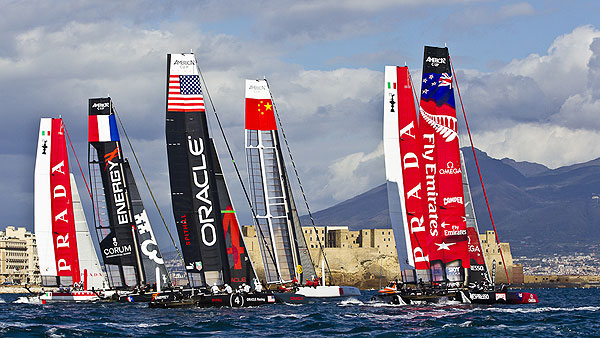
[114, 226]
[240, 266]
[154, 265]
[192, 175]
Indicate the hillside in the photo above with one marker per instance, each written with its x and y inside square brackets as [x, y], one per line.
[537, 209]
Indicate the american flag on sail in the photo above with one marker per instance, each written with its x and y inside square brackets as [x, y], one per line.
[185, 94]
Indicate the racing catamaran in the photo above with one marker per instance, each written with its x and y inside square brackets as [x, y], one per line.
[282, 245]
[215, 256]
[436, 232]
[132, 258]
[67, 257]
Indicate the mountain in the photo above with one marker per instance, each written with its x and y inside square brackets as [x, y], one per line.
[536, 209]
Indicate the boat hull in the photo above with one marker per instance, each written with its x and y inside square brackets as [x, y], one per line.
[462, 296]
[328, 291]
[73, 296]
[187, 299]
[509, 297]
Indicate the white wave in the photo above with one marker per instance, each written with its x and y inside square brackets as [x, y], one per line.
[465, 324]
[291, 315]
[539, 309]
[52, 333]
[351, 301]
[28, 300]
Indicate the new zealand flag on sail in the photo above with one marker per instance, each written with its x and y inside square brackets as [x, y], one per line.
[438, 87]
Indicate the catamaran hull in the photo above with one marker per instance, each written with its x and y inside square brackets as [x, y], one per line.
[186, 299]
[75, 296]
[465, 297]
[328, 291]
[509, 297]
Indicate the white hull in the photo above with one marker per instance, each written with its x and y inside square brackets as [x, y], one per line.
[74, 296]
[328, 291]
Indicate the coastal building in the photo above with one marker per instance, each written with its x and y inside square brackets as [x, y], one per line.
[18, 257]
[493, 258]
[369, 255]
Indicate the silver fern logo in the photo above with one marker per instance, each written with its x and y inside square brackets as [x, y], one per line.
[444, 125]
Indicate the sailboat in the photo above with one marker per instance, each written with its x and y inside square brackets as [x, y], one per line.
[216, 260]
[282, 245]
[132, 258]
[67, 259]
[436, 232]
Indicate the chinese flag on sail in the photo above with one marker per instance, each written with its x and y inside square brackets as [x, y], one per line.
[259, 107]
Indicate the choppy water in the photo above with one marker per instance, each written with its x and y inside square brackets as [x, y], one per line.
[561, 312]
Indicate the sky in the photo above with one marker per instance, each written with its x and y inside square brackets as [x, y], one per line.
[528, 73]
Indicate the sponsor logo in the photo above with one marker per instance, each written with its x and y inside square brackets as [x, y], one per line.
[257, 87]
[238, 279]
[217, 300]
[435, 61]
[44, 147]
[101, 106]
[430, 172]
[480, 296]
[296, 298]
[453, 269]
[117, 186]
[184, 63]
[455, 232]
[256, 299]
[450, 169]
[531, 298]
[200, 176]
[477, 267]
[448, 200]
[501, 296]
[149, 246]
[392, 102]
[117, 251]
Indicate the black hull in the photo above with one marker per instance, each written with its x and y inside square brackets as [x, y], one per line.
[187, 299]
[462, 296]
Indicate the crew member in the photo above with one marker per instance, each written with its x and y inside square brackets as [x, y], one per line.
[215, 289]
[228, 289]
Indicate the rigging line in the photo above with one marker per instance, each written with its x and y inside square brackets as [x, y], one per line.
[88, 190]
[238, 172]
[299, 183]
[479, 172]
[147, 184]
[82, 175]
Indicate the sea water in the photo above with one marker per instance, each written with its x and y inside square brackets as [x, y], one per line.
[560, 313]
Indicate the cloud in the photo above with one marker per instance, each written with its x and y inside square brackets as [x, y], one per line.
[549, 144]
[353, 174]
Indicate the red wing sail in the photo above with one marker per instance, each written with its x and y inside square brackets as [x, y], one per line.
[445, 200]
[63, 222]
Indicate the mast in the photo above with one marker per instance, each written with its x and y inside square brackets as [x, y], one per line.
[116, 231]
[196, 205]
[53, 207]
[402, 146]
[268, 186]
[445, 201]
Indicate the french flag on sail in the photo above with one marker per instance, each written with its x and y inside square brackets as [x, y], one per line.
[102, 128]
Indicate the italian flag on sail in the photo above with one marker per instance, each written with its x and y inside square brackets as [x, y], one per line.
[102, 128]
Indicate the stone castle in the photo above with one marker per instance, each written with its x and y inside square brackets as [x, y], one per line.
[367, 258]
